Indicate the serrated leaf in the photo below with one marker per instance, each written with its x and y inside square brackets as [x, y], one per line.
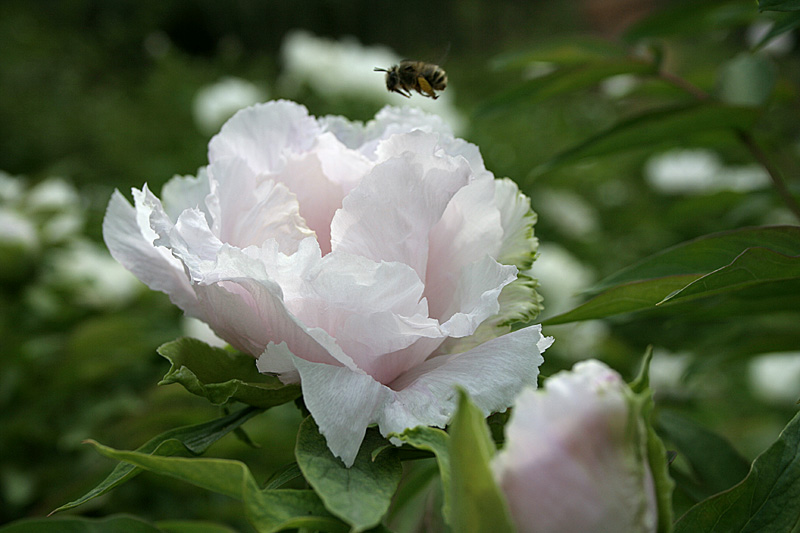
[185, 440]
[437, 441]
[562, 81]
[359, 495]
[716, 465]
[478, 504]
[779, 5]
[222, 376]
[267, 510]
[754, 266]
[768, 499]
[657, 127]
[74, 524]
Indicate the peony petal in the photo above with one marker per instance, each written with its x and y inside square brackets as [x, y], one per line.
[342, 402]
[389, 215]
[252, 209]
[186, 192]
[264, 134]
[492, 373]
[469, 229]
[132, 245]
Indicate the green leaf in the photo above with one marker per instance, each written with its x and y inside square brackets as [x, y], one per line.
[768, 499]
[716, 465]
[222, 376]
[74, 524]
[192, 526]
[574, 50]
[746, 80]
[185, 440]
[562, 81]
[359, 495]
[691, 18]
[759, 264]
[779, 5]
[657, 127]
[266, 510]
[628, 298]
[437, 441]
[754, 266]
[478, 504]
[705, 254]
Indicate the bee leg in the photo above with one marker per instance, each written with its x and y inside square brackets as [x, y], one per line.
[404, 93]
[425, 88]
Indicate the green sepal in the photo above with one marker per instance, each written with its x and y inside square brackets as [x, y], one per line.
[222, 376]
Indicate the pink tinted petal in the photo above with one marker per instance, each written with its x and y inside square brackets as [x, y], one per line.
[252, 209]
[475, 297]
[389, 215]
[155, 266]
[342, 402]
[263, 135]
[469, 229]
[492, 373]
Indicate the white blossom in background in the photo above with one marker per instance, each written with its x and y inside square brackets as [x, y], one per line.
[17, 231]
[562, 277]
[619, 86]
[216, 103]
[91, 277]
[667, 369]
[700, 171]
[573, 215]
[344, 68]
[356, 259]
[779, 46]
[775, 377]
[575, 456]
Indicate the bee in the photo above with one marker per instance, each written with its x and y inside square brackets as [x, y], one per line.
[425, 78]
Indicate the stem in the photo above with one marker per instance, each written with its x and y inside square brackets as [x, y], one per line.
[778, 183]
[775, 175]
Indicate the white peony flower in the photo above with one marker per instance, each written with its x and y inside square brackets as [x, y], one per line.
[216, 103]
[701, 171]
[575, 457]
[775, 377]
[352, 258]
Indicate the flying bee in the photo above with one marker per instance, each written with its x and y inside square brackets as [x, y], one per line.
[425, 78]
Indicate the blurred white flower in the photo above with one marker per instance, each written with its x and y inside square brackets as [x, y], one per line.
[345, 69]
[619, 86]
[561, 276]
[667, 369]
[575, 458]
[91, 276]
[569, 211]
[700, 171]
[53, 194]
[216, 103]
[577, 339]
[779, 46]
[11, 188]
[17, 230]
[775, 377]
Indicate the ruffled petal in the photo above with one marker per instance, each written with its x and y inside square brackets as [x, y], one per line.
[263, 135]
[389, 215]
[131, 244]
[186, 192]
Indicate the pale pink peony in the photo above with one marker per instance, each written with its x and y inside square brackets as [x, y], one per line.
[359, 260]
[575, 457]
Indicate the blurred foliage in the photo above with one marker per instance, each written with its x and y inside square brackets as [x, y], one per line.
[101, 93]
